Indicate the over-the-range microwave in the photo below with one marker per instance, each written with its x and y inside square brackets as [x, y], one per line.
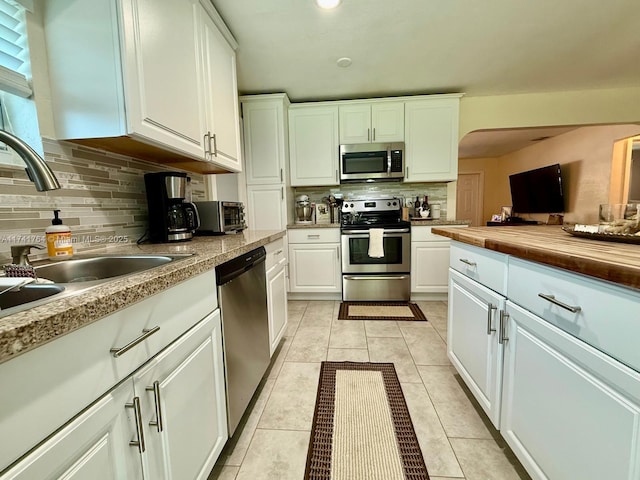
[371, 162]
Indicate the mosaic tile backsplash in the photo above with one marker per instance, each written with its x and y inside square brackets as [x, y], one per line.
[102, 199]
[437, 192]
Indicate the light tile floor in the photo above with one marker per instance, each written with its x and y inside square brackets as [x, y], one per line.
[456, 438]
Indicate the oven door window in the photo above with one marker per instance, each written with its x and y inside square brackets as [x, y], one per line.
[231, 216]
[359, 251]
[369, 162]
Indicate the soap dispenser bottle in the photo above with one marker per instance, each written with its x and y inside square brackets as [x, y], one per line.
[59, 244]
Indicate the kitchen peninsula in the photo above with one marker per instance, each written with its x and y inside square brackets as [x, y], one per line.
[615, 262]
[543, 329]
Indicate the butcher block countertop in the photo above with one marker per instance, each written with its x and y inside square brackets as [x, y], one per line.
[611, 261]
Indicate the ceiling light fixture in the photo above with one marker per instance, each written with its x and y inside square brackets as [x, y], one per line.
[328, 3]
[344, 62]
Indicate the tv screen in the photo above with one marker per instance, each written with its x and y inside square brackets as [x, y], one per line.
[537, 191]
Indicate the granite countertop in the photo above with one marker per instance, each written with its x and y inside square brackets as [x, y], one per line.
[28, 329]
[312, 225]
[549, 244]
[428, 222]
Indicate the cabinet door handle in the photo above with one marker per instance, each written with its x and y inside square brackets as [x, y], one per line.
[468, 262]
[281, 176]
[490, 308]
[146, 333]
[215, 145]
[282, 192]
[504, 316]
[207, 145]
[368, 134]
[406, 172]
[552, 299]
[374, 134]
[337, 177]
[139, 427]
[155, 388]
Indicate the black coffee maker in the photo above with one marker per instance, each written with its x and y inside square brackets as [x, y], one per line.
[171, 219]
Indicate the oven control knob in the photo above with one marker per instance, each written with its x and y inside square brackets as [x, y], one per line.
[394, 204]
[388, 204]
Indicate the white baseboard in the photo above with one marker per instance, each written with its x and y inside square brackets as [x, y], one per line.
[313, 296]
[429, 297]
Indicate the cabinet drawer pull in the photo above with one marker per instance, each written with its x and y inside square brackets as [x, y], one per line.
[503, 323]
[310, 237]
[146, 333]
[468, 262]
[552, 299]
[277, 252]
[490, 309]
[139, 428]
[155, 388]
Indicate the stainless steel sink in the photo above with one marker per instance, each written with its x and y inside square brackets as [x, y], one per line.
[76, 275]
[27, 294]
[100, 268]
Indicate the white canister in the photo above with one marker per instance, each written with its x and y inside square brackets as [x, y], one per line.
[435, 211]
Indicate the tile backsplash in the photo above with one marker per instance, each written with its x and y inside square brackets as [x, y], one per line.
[102, 199]
[437, 192]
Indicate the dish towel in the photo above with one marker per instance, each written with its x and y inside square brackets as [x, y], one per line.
[376, 245]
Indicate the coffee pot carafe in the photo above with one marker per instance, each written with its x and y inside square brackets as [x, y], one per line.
[171, 218]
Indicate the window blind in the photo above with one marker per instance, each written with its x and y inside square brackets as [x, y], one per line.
[14, 55]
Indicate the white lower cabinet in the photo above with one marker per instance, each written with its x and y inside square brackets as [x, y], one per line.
[522, 336]
[568, 410]
[165, 421]
[473, 342]
[429, 263]
[315, 268]
[314, 261]
[277, 303]
[276, 273]
[183, 405]
[93, 446]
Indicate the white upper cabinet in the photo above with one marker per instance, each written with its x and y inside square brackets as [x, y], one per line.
[266, 149]
[372, 122]
[222, 111]
[431, 139]
[120, 82]
[313, 145]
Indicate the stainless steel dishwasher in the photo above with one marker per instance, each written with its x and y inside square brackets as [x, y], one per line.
[242, 292]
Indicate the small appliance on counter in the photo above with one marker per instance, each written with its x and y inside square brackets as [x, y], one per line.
[304, 209]
[171, 219]
[220, 217]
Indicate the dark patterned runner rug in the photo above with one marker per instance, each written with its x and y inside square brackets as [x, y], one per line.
[380, 311]
[361, 426]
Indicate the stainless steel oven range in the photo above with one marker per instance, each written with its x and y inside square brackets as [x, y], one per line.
[376, 250]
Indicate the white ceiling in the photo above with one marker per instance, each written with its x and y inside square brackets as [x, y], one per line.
[404, 47]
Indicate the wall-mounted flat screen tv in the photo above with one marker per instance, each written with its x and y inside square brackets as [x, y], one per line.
[537, 191]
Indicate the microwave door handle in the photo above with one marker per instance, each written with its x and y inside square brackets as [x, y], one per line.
[389, 160]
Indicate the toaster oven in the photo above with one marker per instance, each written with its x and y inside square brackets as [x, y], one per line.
[220, 217]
